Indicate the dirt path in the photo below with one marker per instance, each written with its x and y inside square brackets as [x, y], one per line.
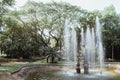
[24, 72]
[6, 76]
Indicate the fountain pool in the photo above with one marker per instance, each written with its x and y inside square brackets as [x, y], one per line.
[69, 74]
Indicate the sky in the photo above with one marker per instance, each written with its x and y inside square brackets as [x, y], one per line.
[90, 5]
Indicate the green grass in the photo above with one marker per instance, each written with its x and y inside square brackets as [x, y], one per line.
[13, 67]
[110, 69]
[10, 68]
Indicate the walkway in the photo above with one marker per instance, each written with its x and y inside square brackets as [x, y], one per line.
[5, 76]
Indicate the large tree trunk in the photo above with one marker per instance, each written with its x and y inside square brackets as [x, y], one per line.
[112, 56]
[78, 40]
[86, 64]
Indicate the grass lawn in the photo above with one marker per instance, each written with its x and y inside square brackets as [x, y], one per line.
[11, 67]
[7, 67]
[112, 71]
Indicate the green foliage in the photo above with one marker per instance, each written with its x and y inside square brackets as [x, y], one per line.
[4, 9]
[32, 29]
[111, 28]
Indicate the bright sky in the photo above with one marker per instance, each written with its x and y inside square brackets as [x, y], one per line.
[85, 4]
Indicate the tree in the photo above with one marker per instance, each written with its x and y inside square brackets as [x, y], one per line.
[48, 19]
[4, 9]
[111, 27]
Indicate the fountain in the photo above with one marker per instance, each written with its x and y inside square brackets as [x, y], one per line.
[91, 47]
[90, 63]
[99, 44]
[70, 43]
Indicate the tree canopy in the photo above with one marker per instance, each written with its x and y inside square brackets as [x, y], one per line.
[37, 27]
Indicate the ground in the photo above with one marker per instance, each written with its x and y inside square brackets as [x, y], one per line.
[6, 75]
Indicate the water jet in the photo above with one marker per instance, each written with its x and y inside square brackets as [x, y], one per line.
[91, 47]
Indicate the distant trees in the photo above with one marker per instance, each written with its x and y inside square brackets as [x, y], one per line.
[111, 28]
[4, 9]
[36, 28]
